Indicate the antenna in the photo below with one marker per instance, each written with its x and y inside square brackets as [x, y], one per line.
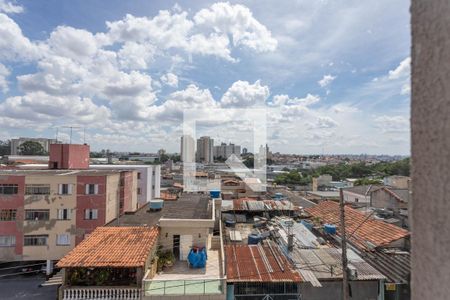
[57, 130]
[71, 128]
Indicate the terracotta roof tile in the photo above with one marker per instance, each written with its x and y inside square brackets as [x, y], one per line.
[245, 263]
[376, 232]
[113, 247]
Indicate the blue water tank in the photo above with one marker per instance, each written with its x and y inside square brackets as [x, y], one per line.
[254, 239]
[230, 223]
[307, 224]
[214, 193]
[278, 196]
[329, 228]
[197, 258]
[156, 204]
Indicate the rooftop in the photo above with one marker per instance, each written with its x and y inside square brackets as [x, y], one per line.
[59, 172]
[188, 206]
[258, 263]
[362, 189]
[113, 247]
[362, 228]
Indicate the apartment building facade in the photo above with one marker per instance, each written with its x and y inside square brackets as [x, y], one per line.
[148, 180]
[46, 213]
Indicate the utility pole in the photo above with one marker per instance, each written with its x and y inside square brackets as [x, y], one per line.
[345, 293]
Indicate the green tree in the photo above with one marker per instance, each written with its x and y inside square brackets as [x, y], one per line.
[31, 148]
[5, 147]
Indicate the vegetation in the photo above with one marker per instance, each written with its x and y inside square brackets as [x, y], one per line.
[165, 259]
[31, 148]
[5, 147]
[367, 174]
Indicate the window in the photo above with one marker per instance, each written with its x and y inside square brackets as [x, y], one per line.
[9, 189]
[64, 214]
[91, 214]
[7, 240]
[8, 214]
[139, 175]
[91, 189]
[37, 215]
[37, 189]
[35, 240]
[62, 239]
[139, 191]
[65, 189]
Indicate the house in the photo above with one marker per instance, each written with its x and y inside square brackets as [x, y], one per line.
[359, 194]
[400, 182]
[363, 231]
[109, 264]
[384, 246]
[186, 223]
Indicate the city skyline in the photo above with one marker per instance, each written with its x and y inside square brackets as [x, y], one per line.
[127, 71]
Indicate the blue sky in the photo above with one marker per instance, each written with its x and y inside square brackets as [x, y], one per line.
[334, 75]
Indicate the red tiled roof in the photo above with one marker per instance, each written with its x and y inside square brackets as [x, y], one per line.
[113, 247]
[246, 263]
[376, 232]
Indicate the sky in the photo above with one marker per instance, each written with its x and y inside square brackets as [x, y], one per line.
[332, 76]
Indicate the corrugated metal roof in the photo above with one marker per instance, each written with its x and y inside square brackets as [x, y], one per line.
[325, 264]
[256, 263]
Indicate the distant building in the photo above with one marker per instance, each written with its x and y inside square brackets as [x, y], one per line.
[205, 150]
[187, 149]
[321, 181]
[16, 143]
[224, 151]
[148, 180]
[400, 182]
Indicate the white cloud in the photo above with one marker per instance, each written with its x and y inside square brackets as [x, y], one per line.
[392, 124]
[136, 56]
[10, 8]
[403, 70]
[326, 80]
[237, 21]
[325, 122]
[4, 73]
[42, 107]
[244, 94]
[170, 79]
[13, 45]
[77, 44]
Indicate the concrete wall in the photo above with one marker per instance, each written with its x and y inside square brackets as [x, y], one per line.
[355, 198]
[430, 120]
[367, 290]
[382, 199]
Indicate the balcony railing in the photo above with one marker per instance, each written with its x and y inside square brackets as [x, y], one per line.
[94, 293]
[184, 287]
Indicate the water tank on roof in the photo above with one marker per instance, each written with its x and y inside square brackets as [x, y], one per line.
[156, 204]
[214, 193]
[230, 223]
[254, 239]
[278, 196]
[329, 228]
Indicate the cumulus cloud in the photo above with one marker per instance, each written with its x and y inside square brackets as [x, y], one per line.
[170, 79]
[244, 94]
[326, 80]
[403, 70]
[8, 7]
[238, 22]
[14, 46]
